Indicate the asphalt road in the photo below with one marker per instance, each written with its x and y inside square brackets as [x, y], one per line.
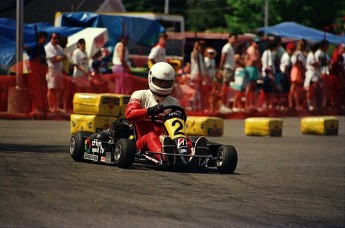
[290, 181]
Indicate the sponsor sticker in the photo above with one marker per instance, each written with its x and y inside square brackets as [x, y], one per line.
[90, 157]
[87, 145]
[183, 151]
[97, 147]
[181, 143]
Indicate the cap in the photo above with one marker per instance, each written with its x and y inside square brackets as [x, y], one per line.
[290, 46]
[211, 50]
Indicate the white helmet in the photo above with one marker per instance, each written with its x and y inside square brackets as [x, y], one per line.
[161, 79]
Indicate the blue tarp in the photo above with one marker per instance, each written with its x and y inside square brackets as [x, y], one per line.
[139, 30]
[297, 31]
[8, 38]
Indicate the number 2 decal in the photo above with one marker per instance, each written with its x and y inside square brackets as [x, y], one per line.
[175, 128]
[179, 128]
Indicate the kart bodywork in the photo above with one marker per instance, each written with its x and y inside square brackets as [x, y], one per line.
[117, 146]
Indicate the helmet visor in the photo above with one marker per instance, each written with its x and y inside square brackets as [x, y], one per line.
[163, 83]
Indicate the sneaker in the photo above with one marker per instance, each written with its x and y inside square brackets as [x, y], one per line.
[200, 148]
[169, 148]
[224, 110]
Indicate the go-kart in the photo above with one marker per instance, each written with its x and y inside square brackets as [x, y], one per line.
[117, 146]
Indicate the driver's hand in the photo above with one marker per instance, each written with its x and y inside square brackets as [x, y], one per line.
[152, 111]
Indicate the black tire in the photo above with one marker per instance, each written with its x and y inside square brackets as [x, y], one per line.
[124, 153]
[226, 159]
[76, 146]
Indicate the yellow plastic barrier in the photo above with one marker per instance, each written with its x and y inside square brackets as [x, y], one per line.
[204, 126]
[91, 123]
[124, 99]
[320, 125]
[105, 104]
[263, 126]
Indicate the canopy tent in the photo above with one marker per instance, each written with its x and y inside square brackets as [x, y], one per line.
[95, 39]
[8, 38]
[297, 31]
[139, 30]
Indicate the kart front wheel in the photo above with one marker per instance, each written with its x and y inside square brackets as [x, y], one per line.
[76, 146]
[226, 159]
[124, 153]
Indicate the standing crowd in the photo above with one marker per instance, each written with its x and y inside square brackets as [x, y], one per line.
[265, 75]
[256, 75]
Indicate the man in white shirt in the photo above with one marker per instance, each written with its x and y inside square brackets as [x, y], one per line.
[55, 57]
[158, 52]
[227, 64]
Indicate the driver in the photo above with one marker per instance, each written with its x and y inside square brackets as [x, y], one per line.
[146, 103]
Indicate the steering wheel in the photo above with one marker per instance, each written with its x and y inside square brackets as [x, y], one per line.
[158, 120]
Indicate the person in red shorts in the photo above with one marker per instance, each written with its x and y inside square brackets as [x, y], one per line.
[36, 79]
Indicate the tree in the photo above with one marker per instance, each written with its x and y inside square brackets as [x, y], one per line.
[249, 14]
[206, 15]
[246, 15]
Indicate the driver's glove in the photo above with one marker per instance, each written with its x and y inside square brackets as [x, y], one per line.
[152, 111]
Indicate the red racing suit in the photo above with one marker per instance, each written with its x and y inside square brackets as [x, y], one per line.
[147, 132]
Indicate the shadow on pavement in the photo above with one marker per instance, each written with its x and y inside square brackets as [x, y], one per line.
[32, 148]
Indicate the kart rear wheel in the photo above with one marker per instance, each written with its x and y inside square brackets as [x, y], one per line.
[226, 159]
[124, 153]
[76, 146]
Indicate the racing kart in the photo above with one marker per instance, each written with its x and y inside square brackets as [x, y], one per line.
[117, 145]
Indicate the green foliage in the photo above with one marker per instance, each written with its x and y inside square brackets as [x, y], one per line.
[204, 15]
[247, 15]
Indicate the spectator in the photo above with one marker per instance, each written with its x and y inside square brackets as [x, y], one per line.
[338, 81]
[105, 59]
[55, 57]
[285, 67]
[210, 64]
[36, 79]
[252, 64]
[268, 72]
[312, 77]
[121, 64]
[80, 60]
[227, 65]
[298, 62]
[240, 82]
[158, 52]
[197, 74]
[279, 52]
[338, 50]
[277, 88]
[67, 67]
[198, 67]
[324, 64]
